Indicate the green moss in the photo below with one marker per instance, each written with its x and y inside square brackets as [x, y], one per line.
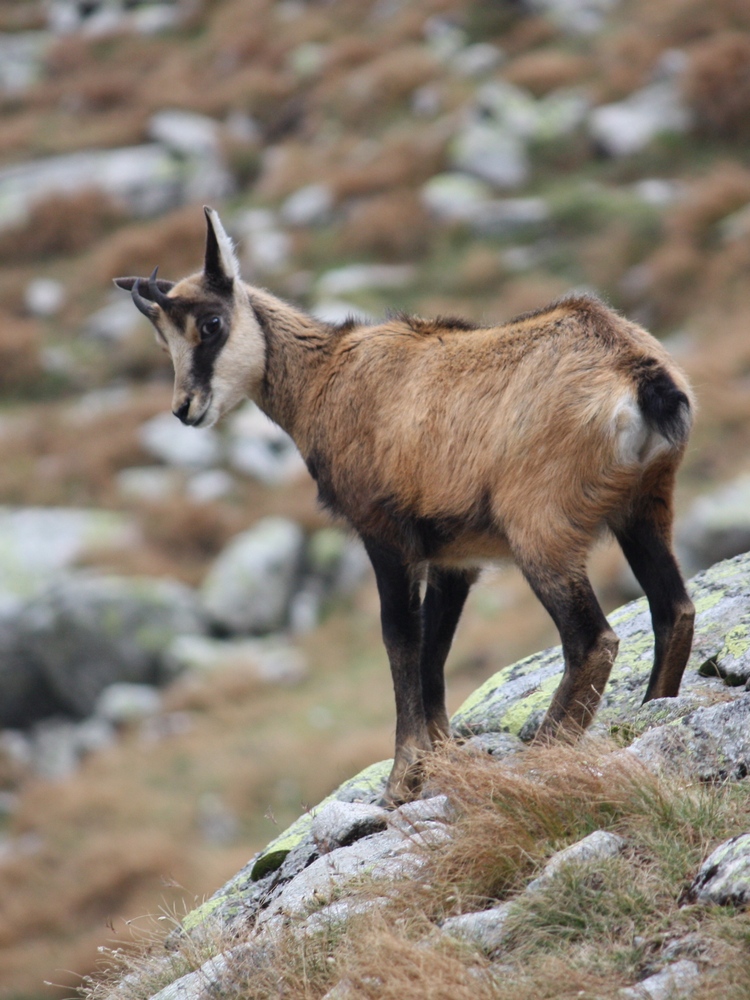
[707, 601]
[737, 641]
[201, 914]
[481, 694]
[518, 714]
[363, 785]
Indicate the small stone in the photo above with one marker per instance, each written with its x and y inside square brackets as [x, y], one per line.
[341, 823]
[628, 126]
[454, 196]
[269, 661]
[358, 277]
[149, 482]
[486, 929]
[596, 847]
[209, 485]
[250, 585]
[413, 817]
[44, 297]
[188, 447]
[122, 704]
[112, 323]
[261, 449]
[724, 877]
[185, 132]
[491, 154]
[309, 206]
[477, 60]
[677, 982]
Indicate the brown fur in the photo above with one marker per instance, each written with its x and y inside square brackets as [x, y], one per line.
[501, 432]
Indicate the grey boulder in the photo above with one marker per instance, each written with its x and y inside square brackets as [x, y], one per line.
[86, 632]
[249, 587]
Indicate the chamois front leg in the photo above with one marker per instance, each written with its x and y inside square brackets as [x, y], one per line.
[444, 599]
[400, 619]
[589, 647]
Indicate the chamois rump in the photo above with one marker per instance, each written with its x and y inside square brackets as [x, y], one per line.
[448, 446]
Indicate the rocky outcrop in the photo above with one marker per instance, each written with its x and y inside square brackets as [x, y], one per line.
[70, 637]
[304, 874]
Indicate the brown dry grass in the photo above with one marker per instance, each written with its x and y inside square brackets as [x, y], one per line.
[694, 264]
[547, 70]
[587, 933]
[20, 360]
[60, 225]
[174, 242]
[393, 226]
[717, 86]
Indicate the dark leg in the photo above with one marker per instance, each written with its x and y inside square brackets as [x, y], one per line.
[589, 648]
[645, 542]
[443, 603]
[402, 634]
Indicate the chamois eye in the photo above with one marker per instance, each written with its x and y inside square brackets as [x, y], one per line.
[210, 327]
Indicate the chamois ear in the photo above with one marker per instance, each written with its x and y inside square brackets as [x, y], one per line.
[221, 266]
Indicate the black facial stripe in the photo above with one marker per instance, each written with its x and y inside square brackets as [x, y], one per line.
[204, 358]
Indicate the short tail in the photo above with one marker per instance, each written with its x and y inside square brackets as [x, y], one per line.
[665, 407]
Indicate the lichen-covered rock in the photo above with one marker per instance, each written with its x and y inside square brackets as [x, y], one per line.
[518, 695]
[293, 875]
[256, 883]
[387, 855]
[487, 929]
[724, 877]
[710, 743]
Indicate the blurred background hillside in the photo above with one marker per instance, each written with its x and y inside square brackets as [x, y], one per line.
[435, 156]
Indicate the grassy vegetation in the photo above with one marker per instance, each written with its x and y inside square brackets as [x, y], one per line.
[586, 932]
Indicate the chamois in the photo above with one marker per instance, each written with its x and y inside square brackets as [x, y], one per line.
[447, 446]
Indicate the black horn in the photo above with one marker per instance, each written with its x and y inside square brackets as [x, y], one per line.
[156, 291]
[147, 308]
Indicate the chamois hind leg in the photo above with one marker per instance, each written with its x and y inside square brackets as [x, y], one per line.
[645, 541]
[589, 647]
[443, 603]
[401, 623]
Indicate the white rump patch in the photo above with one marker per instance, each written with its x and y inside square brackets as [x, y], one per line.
[637, 443]
[229, 263]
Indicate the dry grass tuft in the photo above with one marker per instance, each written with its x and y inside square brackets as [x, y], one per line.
[392, 227]
[585, 933]
[717, 86]
[20, 360]
[173, 242]
[725, 188]
[60, 225]
[547, 70]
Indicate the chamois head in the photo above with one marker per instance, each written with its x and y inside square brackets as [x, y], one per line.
[208, 325]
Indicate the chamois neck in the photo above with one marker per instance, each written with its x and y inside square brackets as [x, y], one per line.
[295, 345]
